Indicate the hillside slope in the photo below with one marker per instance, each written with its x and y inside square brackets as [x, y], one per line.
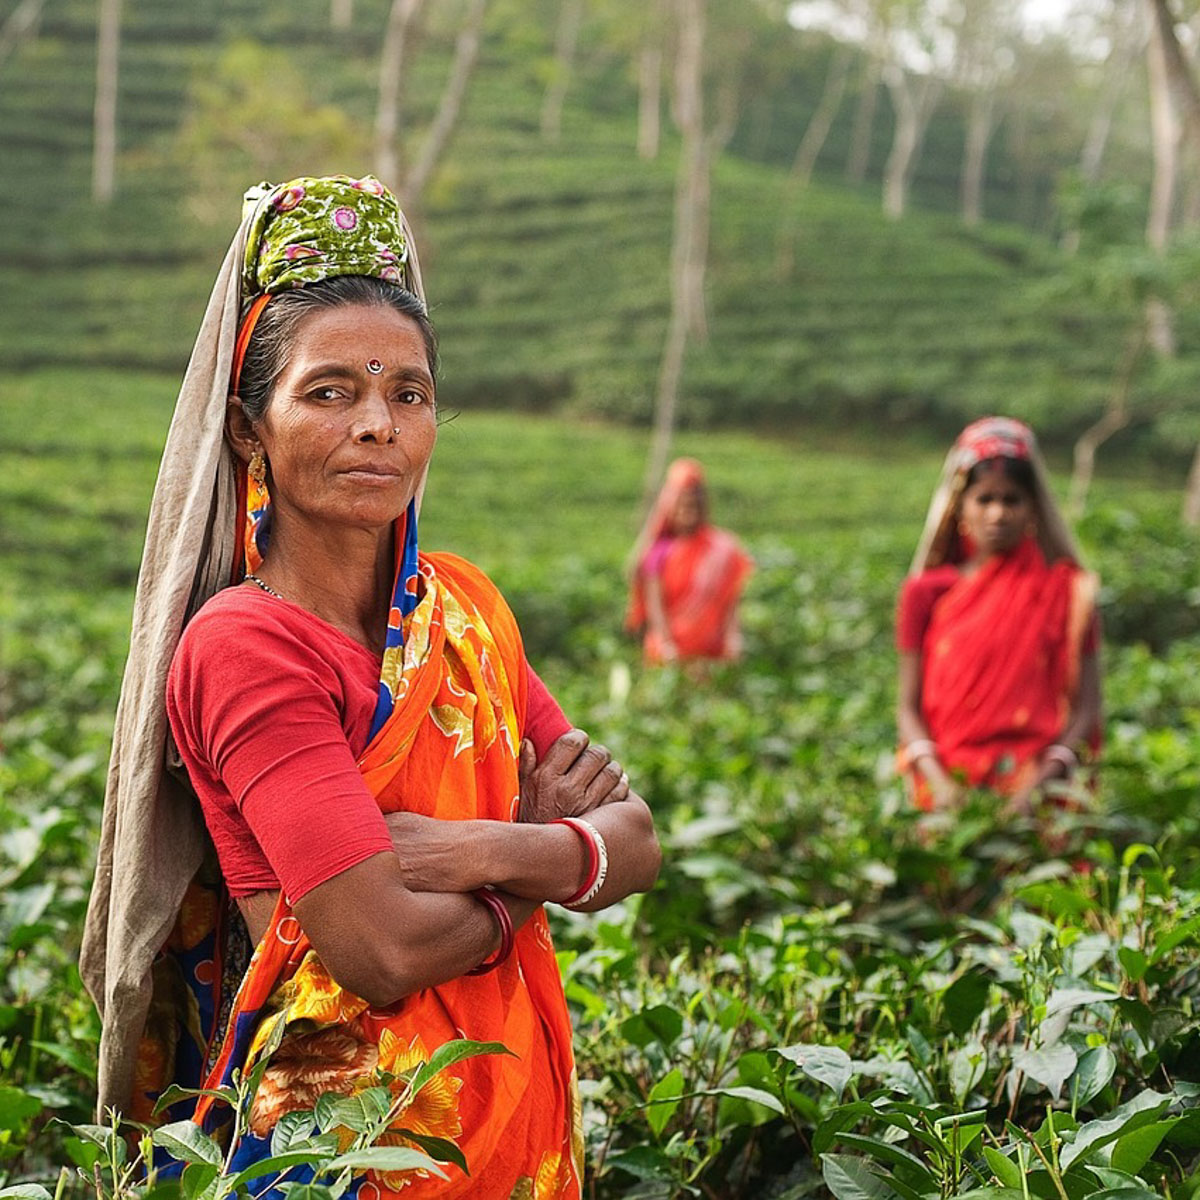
[546, 264]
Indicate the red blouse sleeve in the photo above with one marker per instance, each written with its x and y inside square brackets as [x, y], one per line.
[915, 605]
[259, 712]
[545, 721]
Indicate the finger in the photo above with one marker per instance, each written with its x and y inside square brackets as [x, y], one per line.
[599, 791]
[587, 766]
[565, 751]
[526, 760]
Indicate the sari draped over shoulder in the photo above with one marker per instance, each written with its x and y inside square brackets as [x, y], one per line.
[1000, 666]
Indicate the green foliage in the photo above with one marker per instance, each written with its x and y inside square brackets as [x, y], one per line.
[328, 1144]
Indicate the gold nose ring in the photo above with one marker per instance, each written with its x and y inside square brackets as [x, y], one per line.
[395, 428]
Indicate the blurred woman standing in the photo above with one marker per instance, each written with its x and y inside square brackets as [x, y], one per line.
[996, 629]
[688, 575]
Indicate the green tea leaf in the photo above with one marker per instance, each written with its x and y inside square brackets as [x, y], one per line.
[850, 1178]
[187, 1142]
[965, 999]
[907, 1164]
[1144, 1109]
[1096, 1068]
[197, 1178]
[17, 1107]
[663, 1100]
[1133, 1150]
[1134, 962]
[1003, 1167]
[453, 1052]
[292, 1130]
[439, 1149]
[829, 1065]
[388, 1158]
[276, 1162]
[1050, 1066]
[659, 1023]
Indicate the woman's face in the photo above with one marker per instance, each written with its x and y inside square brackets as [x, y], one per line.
[688, 513]
[355, 375]
[996, 512]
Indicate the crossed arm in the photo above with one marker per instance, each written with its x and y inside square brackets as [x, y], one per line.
[423, 889]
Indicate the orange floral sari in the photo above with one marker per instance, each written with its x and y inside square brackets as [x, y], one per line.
[1000, 666]
[449, 750]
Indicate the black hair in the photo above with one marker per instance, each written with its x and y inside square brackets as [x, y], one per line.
[1015, 470]
[271, 343]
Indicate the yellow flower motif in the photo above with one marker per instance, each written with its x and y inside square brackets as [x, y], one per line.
[315, 996]
[553, 1179]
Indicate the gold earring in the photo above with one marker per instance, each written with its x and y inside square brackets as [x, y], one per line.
[256, 468]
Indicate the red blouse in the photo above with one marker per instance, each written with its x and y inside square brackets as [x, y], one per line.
[271, 707]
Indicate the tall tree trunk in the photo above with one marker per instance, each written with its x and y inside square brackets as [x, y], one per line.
[821, 121]
[466, 54]
[393, 66]
[1190, 513]
[1165, 135]
[800, 175]
[914, 104]
[980, 123]
[859, 156]
[104, 147]
[686, 272]
[1114, 419]
[649, 100]
[22, 23]
[341, 14]
[570, 18]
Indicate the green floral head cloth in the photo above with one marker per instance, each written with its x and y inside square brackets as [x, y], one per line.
[315, 228]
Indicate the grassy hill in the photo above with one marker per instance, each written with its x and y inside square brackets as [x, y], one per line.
[546, 263]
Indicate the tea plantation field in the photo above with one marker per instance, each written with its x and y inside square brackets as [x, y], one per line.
[818, 997]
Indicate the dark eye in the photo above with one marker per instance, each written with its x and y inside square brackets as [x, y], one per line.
[409, 396]
[326, 393]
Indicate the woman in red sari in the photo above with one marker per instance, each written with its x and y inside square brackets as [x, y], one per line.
[688, 575]
[996, 630]
[359, 724]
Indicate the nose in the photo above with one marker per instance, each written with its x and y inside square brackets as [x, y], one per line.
[374, 419]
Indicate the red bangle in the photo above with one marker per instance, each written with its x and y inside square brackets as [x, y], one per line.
[593, 850]
[488, 898]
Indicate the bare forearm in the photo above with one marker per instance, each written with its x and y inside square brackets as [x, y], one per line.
[398, 941]
[539, 862]
[536, 861]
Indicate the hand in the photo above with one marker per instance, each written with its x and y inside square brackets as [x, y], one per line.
[1020, 803]
[572, 779]
[947, 795]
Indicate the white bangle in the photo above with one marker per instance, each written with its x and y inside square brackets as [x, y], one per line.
[1061, 753]
[601, 871]
[920, 748]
